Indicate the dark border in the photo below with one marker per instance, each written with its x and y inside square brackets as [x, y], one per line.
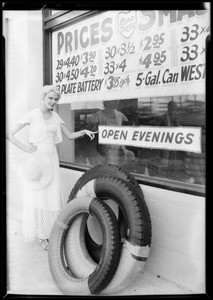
[100, 5]
[33, 5]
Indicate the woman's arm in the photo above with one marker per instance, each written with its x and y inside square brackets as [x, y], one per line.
[10, 137]
[77, 134]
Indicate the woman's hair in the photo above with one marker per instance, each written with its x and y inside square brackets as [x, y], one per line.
[50, 88]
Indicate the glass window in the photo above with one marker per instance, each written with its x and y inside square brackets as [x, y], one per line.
[179, 111]
[139, 79]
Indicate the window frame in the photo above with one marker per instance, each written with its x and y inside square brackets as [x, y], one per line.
[68, 17]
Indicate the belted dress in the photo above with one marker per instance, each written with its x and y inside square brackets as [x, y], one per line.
[42, 206]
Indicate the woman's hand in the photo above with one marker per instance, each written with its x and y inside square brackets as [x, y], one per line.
[77, 134]
[31, 148]
[91, 134]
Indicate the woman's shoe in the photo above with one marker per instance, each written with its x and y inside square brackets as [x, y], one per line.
[44, 244]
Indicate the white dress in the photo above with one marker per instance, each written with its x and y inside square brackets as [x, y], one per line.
[41, 207]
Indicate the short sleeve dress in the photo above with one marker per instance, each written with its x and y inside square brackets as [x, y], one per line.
[41, 207]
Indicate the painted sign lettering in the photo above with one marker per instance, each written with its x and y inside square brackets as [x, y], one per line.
[126, 54]
[169, 138]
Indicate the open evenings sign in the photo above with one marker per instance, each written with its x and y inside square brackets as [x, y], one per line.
[127, 54]
[169, 138]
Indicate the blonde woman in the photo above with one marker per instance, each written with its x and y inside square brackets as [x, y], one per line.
[43, 202]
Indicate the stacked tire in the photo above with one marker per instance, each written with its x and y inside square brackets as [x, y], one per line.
[79, 264]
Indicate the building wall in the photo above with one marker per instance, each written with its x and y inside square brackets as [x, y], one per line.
[178, 220]
[24, 79]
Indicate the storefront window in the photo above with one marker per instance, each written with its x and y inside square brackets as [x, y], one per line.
[180, 111]
[138, 77]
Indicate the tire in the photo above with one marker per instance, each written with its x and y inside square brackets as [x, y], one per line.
[136, 245]
[104, 170]
[76, 254]
[110, 255]
[93, 248]
[134, 209]
[99, 171]
[131, 265]
[132, 205]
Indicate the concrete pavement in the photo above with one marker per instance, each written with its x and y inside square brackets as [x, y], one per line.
[28, 270]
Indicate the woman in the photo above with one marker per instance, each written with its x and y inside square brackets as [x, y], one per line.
[41, 207]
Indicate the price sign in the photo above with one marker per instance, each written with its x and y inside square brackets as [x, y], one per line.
[125, 54]
[192, 50]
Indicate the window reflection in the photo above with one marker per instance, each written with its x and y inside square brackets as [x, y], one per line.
[158, 111]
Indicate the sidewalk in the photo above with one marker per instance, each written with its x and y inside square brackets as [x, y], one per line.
[28, 270]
